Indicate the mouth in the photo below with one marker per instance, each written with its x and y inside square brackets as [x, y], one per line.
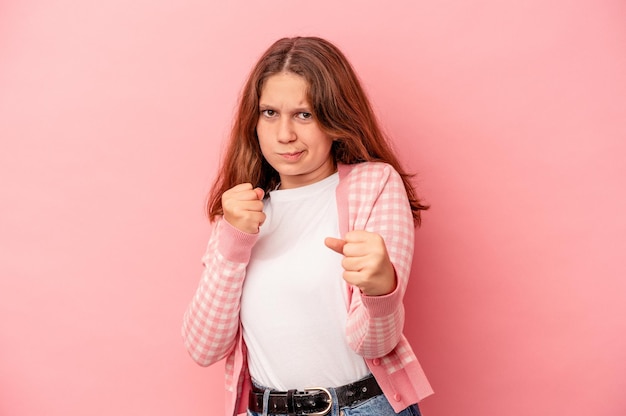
[291, 156]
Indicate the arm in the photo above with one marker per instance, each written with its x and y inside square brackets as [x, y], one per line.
[375, 323]
[211, 322]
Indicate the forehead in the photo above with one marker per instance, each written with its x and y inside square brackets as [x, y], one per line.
[284, 86]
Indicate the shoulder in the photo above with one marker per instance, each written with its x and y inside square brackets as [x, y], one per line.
[364, 169]
[367, 173]
[365, 182]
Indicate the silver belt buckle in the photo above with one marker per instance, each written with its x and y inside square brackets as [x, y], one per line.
[330, 401]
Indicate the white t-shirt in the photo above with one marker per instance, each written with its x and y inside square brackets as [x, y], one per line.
[293, 310]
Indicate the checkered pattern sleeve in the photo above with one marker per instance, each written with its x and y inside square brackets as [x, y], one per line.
[211, 322]
[377, 202]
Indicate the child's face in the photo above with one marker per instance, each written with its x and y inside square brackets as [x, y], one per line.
[289, 135]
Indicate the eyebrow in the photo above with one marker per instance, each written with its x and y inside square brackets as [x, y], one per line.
[306, 109]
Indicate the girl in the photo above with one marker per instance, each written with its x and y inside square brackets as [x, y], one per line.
[311, 248]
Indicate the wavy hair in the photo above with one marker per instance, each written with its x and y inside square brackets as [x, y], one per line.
[339, 105]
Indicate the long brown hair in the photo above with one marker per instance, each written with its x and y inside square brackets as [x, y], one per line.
[339, 104]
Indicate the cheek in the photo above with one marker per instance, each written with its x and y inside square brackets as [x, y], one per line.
[327, 144]
[261, 134]
[266, 150]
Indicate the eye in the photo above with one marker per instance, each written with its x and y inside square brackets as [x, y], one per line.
[304, 116]
[268, 113]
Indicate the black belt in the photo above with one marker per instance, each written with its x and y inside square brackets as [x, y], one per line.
[314, 400]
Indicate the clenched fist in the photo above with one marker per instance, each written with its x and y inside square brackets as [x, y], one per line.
[365, 262]
[243, 207]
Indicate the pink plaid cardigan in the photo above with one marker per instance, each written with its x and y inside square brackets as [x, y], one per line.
[371, 197]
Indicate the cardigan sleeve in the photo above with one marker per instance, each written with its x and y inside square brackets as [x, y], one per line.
[211, 321]
[377, 202]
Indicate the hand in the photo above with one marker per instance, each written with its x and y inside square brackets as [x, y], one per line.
[243, 207]
[366, 263]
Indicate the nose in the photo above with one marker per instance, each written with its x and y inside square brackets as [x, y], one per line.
[285, 133]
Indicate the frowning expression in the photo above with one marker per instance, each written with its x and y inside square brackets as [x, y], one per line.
[290, 137]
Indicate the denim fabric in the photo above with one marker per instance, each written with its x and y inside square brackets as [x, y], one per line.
[375, 406]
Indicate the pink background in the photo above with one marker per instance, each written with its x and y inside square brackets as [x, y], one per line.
[112, 118]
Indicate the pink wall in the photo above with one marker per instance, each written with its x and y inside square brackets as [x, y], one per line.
[112, 115]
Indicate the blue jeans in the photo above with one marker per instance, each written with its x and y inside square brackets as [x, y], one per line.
[374, 406]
